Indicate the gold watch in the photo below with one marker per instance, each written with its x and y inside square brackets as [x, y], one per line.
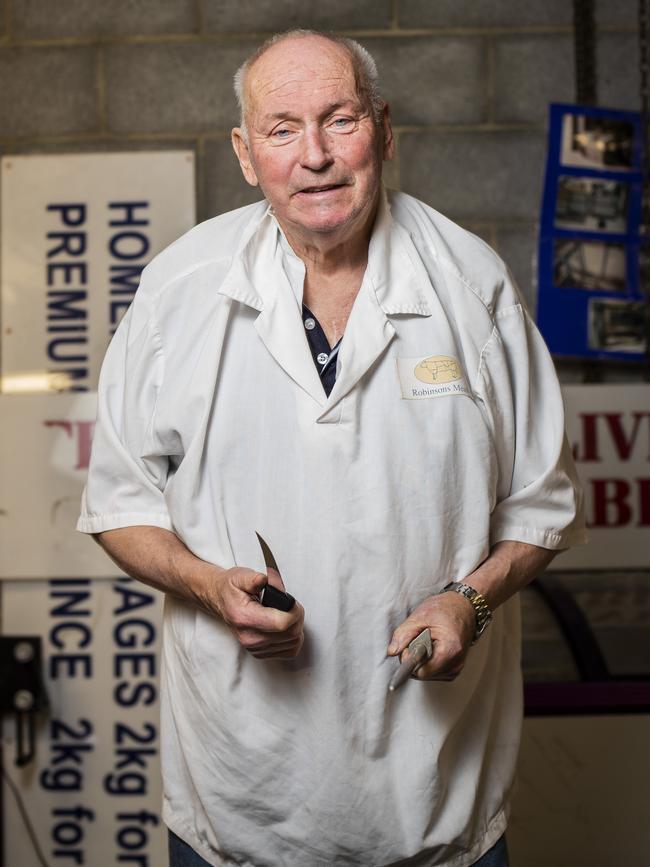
[480, 606]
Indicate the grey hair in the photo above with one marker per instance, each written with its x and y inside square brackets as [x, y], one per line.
[365, 70]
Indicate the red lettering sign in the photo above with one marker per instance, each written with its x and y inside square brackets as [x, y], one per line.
[616, 502]
[82, 433]
[589, 449]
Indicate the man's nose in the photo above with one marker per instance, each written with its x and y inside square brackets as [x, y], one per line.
[315, 154]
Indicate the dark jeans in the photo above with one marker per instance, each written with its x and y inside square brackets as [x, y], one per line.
[182, 855]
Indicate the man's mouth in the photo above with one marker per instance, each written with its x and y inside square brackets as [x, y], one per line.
[321, 189]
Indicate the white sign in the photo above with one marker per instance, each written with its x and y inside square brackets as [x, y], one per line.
[77, 230]
[44, 451]
[93, 792]
[609, 430]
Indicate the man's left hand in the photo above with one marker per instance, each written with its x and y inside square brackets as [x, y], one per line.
[452, 622]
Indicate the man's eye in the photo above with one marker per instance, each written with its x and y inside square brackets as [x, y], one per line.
[281, 133]
[342, 122]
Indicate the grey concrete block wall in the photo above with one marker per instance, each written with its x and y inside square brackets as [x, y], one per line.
[496, 13]
[225, 187]
[270, 16]
[491, 176]
[613, 13]
[618, 70]
[432, 80]
[48, 91]
[530, 72]
[172, 87]
[43, 19]
[468, 81]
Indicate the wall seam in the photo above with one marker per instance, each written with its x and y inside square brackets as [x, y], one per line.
[7, 20]
[259, 35]
[101, 90]
[490, 81]
[394, 15]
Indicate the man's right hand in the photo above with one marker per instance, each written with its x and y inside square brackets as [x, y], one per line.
[266, 633]
[159, 558]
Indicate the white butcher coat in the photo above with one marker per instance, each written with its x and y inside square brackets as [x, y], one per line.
[443, 434]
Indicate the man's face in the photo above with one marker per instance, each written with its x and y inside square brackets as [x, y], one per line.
[312, 144]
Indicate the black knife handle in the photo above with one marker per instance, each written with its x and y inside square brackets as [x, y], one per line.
[271, 597]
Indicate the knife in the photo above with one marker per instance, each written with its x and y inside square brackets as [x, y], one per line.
[420, 650]
[270, 596]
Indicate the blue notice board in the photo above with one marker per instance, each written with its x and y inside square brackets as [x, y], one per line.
[591, 303]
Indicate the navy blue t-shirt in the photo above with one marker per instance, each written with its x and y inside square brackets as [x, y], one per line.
[323, 354]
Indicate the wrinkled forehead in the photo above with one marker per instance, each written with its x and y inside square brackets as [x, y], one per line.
[295, 66]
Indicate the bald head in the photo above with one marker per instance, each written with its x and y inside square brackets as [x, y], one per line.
[314, 143]
[361, 61]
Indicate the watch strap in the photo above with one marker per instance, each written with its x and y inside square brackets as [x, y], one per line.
[478, 603]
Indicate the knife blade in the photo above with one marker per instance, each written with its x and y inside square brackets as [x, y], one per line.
[270, 596]
[420, 650]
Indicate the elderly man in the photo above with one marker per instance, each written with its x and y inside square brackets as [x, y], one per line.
[353, 376]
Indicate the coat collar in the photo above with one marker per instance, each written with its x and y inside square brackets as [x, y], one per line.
[395, 270]
[264, 276]
[398, 276]
[246, 265]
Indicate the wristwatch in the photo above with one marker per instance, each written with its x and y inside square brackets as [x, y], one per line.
[480, 606]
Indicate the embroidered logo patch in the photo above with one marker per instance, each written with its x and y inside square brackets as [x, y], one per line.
[438, 369]
[435, 376]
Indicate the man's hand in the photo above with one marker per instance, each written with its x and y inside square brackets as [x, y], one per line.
[160, 559]
[265, 632]
[451, 617]
[452, 623]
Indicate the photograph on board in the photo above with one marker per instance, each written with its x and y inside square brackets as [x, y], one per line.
[618, 325]
[592, 265]
[591, 204]
[604, 143]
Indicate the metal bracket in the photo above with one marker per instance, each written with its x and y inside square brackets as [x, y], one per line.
[22, 691]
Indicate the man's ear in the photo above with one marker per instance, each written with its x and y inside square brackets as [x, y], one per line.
[389, 142]
[240, 147]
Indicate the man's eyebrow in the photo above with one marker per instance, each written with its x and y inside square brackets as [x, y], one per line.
[344, 103]
[330, 109]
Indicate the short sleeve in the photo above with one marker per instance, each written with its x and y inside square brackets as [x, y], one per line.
[127, 473]
[539, 499]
